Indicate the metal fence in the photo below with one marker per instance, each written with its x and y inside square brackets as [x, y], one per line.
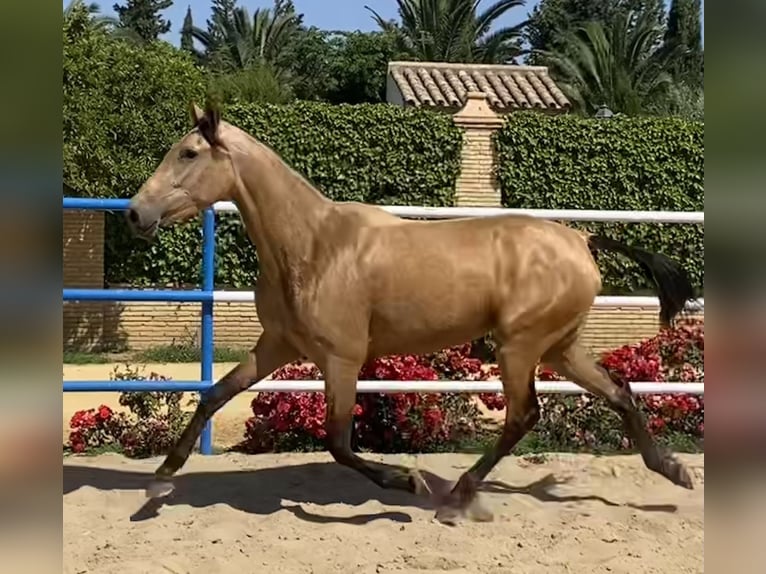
[206, 296]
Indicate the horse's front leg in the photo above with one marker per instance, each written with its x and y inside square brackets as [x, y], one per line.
[340, 394]
[270, 353]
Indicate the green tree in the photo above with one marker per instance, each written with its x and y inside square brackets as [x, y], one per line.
[123, 104]
[622, 66]
[340, 66]
[88, 15]
[221, 11]
[684, 32]
[552, 23]
[245, 55]
[310, 58]
[256, 84]
[360, 66]
[235, 41]
[143, 17]
[187, 39]
[453, 31]
[682, 101]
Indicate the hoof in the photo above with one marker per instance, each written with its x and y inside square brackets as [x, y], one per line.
[448, 515]
[477, 512]
[453, 501]
[461, 501]
[159, 488]
[677, 473]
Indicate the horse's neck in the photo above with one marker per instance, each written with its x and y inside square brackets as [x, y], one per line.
[282, 211]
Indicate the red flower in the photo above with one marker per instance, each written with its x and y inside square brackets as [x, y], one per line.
[77, 441]
[656, 424]
[493, 401]
[104, 413]
[83, 419]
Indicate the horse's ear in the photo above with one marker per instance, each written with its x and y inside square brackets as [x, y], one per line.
[208, 122]
[196, 113]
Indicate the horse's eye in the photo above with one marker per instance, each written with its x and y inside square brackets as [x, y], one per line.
[188, 153]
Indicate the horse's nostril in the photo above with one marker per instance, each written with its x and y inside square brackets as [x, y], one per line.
[133, 215]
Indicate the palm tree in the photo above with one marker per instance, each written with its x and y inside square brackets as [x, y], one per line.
[91, 13]
[622, 66]
[452, 31]
[247, 42]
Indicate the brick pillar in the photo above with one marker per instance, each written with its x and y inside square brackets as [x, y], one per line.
[476, 185]
[83, 262]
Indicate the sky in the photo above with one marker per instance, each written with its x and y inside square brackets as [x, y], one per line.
[324, 14]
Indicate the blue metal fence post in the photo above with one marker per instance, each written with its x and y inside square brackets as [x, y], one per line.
[206, 343]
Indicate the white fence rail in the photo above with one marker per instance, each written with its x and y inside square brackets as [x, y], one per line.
[449, 386]
[605, 301]
[407, 211]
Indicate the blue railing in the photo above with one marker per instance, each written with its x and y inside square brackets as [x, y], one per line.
[203, 296]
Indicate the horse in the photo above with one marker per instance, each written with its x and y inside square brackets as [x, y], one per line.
[343, 282]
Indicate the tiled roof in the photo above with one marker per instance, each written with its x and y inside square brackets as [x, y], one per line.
[508, 88]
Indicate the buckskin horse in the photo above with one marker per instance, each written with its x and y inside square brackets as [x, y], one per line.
[341, 283]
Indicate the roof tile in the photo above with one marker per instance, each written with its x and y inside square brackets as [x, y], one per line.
[508, 88]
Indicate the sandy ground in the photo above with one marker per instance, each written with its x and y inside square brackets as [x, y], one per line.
[302, 513]
[228, 423]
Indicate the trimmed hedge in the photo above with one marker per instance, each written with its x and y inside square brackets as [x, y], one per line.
[569, 162]
[372, 153]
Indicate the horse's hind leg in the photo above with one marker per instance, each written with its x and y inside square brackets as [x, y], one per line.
[269, 353]
[573, 362]
[517, 366]
[340, 394]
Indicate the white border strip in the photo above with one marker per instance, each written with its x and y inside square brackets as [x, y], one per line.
[407, 211]
[605, 301]
[446, 386]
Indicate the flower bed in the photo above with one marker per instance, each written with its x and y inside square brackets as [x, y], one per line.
[150, 427]
[428, 422]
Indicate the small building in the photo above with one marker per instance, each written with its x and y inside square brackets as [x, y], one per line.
[445, 86]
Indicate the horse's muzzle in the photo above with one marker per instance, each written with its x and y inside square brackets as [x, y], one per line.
[143, 220]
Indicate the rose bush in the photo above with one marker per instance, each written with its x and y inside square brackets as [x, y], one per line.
[94, 429]
[418, 422]
[152, 424]
[382, 422]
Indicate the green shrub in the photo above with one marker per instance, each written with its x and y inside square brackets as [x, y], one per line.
[569, 162]
[151, 426]
[123, 106]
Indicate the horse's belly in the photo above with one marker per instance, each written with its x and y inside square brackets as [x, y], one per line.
[429, 320]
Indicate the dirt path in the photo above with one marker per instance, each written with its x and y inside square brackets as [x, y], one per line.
[303, 514]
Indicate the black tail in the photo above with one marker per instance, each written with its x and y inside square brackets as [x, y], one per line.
[673, 286]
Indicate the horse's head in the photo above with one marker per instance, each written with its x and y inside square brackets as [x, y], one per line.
[194, 174]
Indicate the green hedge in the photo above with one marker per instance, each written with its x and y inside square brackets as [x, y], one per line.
[569, 162]
[373, 153]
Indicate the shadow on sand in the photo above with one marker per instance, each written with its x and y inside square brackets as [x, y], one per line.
[262, 491]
